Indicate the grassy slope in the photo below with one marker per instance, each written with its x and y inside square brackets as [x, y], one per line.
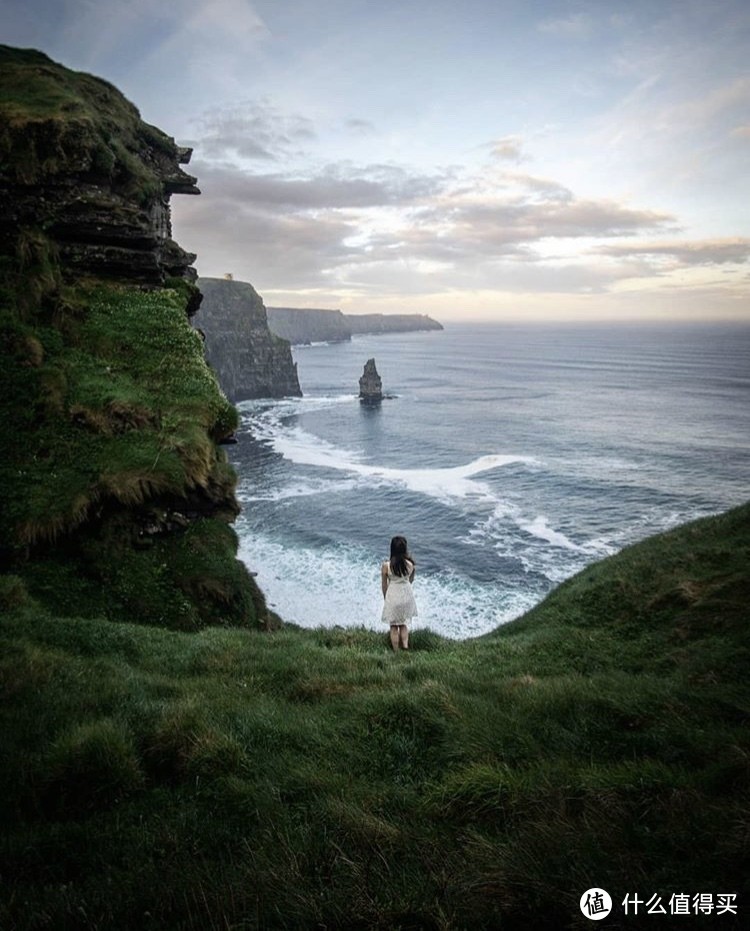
[309, 779]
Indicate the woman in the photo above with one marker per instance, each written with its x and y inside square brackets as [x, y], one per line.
[396, 576]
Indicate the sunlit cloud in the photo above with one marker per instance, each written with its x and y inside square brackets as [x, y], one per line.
[383, 153]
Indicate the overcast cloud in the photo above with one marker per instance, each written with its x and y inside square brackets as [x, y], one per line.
[490, 158]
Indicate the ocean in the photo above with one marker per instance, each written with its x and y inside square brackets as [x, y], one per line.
[511, 456]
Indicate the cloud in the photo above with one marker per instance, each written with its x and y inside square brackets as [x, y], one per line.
[546, 188]
[697, 252]
[360, 127]
[508, 148]
[381, 226]
[251, 130]
[575, 26]
[486, 226]
[269, 249]
[335, 186]
[283, 231]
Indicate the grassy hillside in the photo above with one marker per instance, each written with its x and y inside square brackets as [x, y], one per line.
[115, 497]
[311, 779]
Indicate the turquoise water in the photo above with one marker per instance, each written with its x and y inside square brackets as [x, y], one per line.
[511, 457]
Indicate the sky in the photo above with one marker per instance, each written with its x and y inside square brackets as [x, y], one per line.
[487, 159]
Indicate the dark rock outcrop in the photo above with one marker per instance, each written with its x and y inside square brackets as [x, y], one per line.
[301, 326]
[249, 360]
[370, 384]
[77, 162]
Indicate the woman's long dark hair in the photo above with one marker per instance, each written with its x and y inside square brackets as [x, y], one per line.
[399, 555]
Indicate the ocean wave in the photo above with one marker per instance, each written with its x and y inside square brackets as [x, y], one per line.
[539, 527]
[338, 585]
[273, 410]
[540, 549]
[300, 447]
[248, 492]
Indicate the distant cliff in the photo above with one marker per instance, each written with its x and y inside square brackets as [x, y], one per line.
[249, 360]
[309, 325]
[391, 323]
[302, 325]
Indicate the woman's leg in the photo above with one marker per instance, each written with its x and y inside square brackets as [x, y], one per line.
[403, 636]
[394, 636]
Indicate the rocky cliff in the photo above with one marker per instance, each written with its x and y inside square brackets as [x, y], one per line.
[370, 384]
[249, 360]
[83, 176]
[391, 323]
[309, 325]
[302, 325]
[115, 497]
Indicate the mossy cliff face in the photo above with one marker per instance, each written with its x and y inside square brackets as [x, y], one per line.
[116, 497]
[81, 173]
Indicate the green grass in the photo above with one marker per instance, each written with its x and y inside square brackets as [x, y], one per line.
[161, 768]
[54, 119]
[113, 417]
[310, 779]
[115, 493]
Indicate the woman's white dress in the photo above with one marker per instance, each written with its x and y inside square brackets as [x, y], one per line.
[400, 606]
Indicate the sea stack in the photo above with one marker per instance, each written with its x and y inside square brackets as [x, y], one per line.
[370, 384]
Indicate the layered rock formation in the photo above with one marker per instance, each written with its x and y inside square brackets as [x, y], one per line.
[115, 497]
[249, 360]
[370, 384]
[301, 325]
[77, 162]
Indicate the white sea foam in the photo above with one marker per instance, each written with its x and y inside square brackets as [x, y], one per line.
[538, 548]
[300, 447]
[444, 484]
[329, 586]
[248, 492]
[274, 410]
[540, 528]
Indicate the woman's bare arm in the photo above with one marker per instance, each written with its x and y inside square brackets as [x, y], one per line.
[384, 578]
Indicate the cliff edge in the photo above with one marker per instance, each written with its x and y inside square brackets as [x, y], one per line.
[391, 323]
[250, 361]
[311, 325]
[115, 497]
